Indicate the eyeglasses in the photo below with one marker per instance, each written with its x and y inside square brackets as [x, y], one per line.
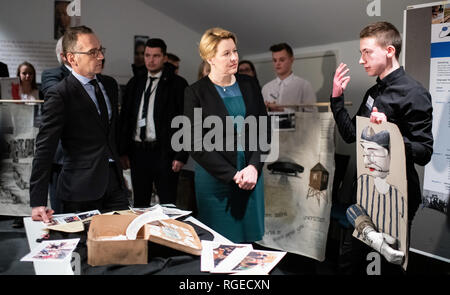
[95, 52]
[371, 155]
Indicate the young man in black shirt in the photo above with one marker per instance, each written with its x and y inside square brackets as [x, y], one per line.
[396, 98]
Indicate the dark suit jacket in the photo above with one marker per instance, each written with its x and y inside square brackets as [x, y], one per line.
[4, 70]
[70, 115]
[169, 98]
[52, 77]
[203, 94]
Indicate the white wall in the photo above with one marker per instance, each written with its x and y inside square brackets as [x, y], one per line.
[114, 21]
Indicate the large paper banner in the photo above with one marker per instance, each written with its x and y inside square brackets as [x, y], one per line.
[382, 186]
[18, 146]
[298, 187]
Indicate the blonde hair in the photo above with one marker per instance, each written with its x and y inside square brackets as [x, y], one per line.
[211, 39]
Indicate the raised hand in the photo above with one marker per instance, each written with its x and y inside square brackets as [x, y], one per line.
[340, 81]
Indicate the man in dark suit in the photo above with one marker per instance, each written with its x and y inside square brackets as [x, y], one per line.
[3, 70]
[151, 101]
[82, 112]
[50, 78]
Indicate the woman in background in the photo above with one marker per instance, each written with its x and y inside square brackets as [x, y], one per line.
[203, 70]
[246, 67]
[27, 77]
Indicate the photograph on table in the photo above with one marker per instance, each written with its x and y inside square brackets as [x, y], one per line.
[257, 261]
[52, 250]
[217, 255]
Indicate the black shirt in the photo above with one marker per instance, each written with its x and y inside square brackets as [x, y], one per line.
[406, 103]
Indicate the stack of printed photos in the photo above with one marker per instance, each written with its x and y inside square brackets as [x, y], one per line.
[72, 217]
[237, 259]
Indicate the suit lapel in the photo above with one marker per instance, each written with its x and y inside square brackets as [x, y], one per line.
[137, 99]
[86, 99]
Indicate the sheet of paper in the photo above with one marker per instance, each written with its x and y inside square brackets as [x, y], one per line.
[259, 261]
[172, 212]
[147, 217]
[56, 250]
[216, 255]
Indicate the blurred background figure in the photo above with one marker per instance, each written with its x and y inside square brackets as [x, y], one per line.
[246, 67]
[138, 66]
[62, 19]
[53, 76]
[174, 60]
[3, 70]
[203, 70]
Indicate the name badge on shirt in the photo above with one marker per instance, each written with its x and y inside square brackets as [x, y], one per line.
[142, 123]
[369, 102]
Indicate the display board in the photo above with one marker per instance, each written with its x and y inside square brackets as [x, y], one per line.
[427, 59]
[297, 186]
[18, 129]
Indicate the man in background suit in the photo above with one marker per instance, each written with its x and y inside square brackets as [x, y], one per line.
[3, 70]
[82, 112]
[50, 78]
[151, 101]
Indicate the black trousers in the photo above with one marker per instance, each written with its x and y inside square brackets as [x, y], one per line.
[150, 166]
[115, 197]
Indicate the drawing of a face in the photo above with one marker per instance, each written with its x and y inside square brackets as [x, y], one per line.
[376, 152]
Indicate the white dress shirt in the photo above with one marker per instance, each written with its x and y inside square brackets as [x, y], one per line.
[293, 90]
[150, 124]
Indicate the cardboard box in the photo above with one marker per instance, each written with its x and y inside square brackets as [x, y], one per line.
[171, 233]
[102, 252]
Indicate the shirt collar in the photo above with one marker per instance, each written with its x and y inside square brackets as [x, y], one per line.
[83, 80]
[158, 75]
[389, 79]
[286, 80]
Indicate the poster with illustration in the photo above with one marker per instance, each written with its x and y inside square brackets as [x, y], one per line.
[18, 148]
[382, 189]
[297, 186]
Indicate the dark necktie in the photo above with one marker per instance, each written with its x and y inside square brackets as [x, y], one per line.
[101, 103]
[147, 94]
